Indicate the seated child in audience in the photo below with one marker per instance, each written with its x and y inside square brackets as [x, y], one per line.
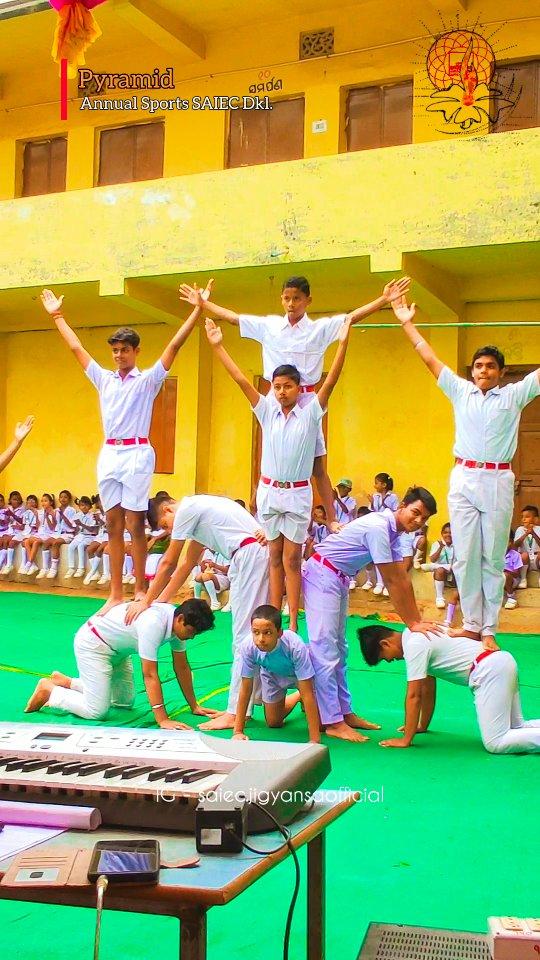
[87, 529]
[513, 566]
[527, 541]
[64, 532]
[96, 548]
[283, 660]
[46, 519]
[211, 574]
[158, 541]
[31, 523]
[441, 561]
[382, 499]
[317, 531]
[13, 533]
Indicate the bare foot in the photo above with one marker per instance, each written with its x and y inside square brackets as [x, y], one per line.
[60, 679]
[358, 723]
[40, 696]
[470, 634]
[344, 732]
[224, 722]
[290, 702]
[111, 602]
[489, 643]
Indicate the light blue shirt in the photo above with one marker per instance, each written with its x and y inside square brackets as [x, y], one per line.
[370, 539]
[487, 424]
[387, 501]
[289, 658]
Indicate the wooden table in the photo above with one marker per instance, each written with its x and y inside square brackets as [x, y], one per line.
[189, 893]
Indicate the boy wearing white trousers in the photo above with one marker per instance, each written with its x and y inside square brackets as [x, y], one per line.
[491, 675]
[289, 440]
[103, 648]
[481, 496]
[326, 575]
[127, 460]
[223, 526]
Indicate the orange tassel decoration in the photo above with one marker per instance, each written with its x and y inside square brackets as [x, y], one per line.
[75, 31]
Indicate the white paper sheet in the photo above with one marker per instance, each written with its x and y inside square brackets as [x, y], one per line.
[15, 839]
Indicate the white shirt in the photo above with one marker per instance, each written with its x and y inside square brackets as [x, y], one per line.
[89, 520]
[126, 404]
[68, 513]
[303, 343]
[370, 539]
[442, 656]
[387, 501]
[288, 442]
[447, 553]
[144, 636]
[487, 424]
[344, 516]
[529, 544]
[289, 658]
[217, 522]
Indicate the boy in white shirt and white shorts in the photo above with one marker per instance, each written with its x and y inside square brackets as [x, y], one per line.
[126, 461]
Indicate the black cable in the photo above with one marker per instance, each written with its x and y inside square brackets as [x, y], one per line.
[286, 834]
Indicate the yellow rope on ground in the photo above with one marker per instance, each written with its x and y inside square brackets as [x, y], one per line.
[207, 696]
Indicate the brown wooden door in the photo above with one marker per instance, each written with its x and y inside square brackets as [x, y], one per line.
[263, 387]
[526, 463]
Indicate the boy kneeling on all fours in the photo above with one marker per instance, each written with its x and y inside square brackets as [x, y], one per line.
[283, 660]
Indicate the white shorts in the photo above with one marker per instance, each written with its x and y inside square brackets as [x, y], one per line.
[275, 687]
[152, 563]
[285, 511]
[320, 446]
[64, 537]
[124, 476]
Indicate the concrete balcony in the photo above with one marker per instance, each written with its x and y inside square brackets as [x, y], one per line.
[460, 215]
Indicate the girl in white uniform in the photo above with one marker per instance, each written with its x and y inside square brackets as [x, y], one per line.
[97, 546]
[87, 528]
[382, 499]
[211, 574]
[46, 517]
[65, 530]
[12, 536]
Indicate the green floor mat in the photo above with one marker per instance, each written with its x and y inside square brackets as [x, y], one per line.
[445, 834]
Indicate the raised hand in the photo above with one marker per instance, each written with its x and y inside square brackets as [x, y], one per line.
[213, 332]
[51, 303]
[396, 289]
[195, 295]
[23, 429]
[403, 312]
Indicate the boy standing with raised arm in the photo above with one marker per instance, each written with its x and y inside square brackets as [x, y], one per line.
[289, 440]
[295, 339]
[126, 461]
[481, 496]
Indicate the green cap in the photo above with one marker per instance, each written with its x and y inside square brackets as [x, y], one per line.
[344, 482]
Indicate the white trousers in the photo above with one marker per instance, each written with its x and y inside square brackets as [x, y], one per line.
[77, 548]
[326, 601]
[494, 683]
[248, 574]
[105, 679]
[480, 503]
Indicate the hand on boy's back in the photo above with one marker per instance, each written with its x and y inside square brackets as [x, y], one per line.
[260, 537]
[51, 303]
[335, 527]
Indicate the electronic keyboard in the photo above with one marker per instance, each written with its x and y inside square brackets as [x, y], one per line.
[155, 778]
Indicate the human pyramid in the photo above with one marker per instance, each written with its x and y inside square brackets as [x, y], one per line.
[265, 553]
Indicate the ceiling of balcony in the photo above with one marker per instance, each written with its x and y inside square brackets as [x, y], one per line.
[498, 275]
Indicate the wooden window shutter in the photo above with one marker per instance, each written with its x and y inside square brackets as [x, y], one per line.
[44, 166]
[163, 426]
[510, 79]
[379, 116]
[131, 153]
[267, 136]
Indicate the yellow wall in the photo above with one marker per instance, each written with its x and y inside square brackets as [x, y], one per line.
[43, 378]
[376, 41]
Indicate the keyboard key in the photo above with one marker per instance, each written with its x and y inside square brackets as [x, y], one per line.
[135, 772]
[198, 775]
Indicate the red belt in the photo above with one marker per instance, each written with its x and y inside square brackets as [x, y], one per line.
[309, 388]
[244, 543]
[129, 442]
[285, 484]
[326, 563]
[481, 656]
[93, 630]
[482, 465]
